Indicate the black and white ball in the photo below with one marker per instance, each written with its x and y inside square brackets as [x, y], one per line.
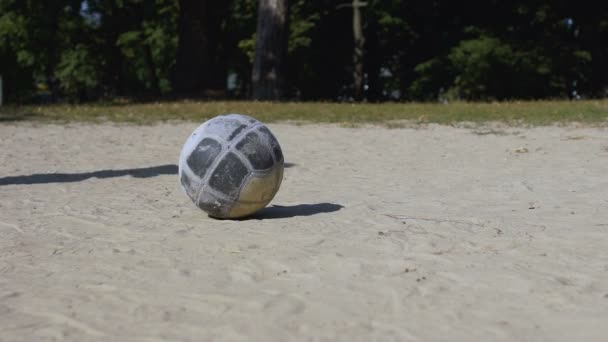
[231, 166]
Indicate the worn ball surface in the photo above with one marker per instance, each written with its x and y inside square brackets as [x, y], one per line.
[231, 166]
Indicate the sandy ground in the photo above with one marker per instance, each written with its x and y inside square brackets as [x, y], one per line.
[433, 234]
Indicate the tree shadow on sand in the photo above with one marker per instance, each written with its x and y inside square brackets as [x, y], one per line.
[45, 178]
[279, 211]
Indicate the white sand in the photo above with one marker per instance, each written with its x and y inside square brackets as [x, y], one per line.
[435, 234]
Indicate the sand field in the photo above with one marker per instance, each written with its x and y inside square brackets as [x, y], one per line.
[434, 233]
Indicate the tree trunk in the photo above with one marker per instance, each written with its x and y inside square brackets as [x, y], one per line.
[200, 67]
[358, 52]
[151, 66]
[193, 45]
[192, 60]
[115, 22]
[373, 61]
[270, 50]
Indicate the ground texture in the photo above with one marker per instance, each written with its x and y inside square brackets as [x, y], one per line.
[429, 234]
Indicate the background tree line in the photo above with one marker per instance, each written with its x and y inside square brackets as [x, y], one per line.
[372, 50]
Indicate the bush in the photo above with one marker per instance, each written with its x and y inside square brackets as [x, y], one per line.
[487, 68]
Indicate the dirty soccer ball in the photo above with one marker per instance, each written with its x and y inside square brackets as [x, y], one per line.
[231, 166]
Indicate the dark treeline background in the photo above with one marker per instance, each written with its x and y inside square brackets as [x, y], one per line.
[309, 49]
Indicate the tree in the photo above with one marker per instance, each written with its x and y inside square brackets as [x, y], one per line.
[359, 43]
[200, 65]
[588, 24]
[270, 50]
[47, 38]
[148, 46]
[80, 50]
[135, 42]
[320, 51]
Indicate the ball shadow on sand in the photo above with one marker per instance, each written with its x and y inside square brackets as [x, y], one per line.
[279, 211]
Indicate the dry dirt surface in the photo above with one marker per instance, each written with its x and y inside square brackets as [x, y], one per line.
[428, 234]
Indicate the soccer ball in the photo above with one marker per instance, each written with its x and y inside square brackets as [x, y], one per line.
[231, 166]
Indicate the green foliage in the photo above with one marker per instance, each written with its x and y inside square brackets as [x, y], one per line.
[522, 51]
[301, 25]
[77, 72]
[150, 54]
[432, 80]
[485, 68]
[15, 61]
[13, 33]
[438, 50]
[476, 62]
[247, 46]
